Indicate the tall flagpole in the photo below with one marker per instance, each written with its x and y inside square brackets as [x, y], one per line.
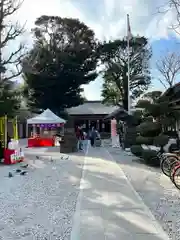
[128, 72]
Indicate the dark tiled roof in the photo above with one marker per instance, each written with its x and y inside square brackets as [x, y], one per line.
[91, 108]
[116, 113]
[172, 91]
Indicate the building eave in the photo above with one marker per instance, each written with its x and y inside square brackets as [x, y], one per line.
[91, 108]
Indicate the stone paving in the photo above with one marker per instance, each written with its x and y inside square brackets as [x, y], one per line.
[40, 205]
[156, 190]
[108, 208]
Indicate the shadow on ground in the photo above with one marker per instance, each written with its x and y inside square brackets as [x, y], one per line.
[157, 190]
[44, 201]
[109, 200]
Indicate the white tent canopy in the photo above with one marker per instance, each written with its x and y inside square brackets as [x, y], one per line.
[46, 117]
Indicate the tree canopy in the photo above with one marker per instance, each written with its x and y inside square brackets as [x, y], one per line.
[114, 55]
[63, 58]
[157, 105]
[9, 60]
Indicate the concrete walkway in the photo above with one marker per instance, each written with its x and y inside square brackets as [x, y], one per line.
[108, 208]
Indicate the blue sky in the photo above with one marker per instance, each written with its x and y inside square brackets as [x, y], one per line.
[159, 48]
[108, 19]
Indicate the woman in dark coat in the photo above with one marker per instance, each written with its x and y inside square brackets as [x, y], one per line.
[92, 136]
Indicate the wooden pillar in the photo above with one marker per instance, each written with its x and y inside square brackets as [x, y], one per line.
[27, 133]
[100, 125]
[97, 124]
[89, 124]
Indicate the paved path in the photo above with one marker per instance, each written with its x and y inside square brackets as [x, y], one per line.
[156, 190]
[108, 207]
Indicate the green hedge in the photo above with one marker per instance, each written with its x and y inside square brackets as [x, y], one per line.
[137, 150]
[144, 140]
[150, 157]
[149, 129]
[161, 140]
[148, 119]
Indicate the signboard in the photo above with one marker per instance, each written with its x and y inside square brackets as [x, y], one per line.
[18, 155]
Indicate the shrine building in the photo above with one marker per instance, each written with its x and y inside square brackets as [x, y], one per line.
[92, 113]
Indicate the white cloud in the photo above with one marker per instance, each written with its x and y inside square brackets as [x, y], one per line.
[32, 9]
[106, 17]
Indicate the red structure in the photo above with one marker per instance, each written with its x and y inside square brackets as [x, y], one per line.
[40, 142]
[44, 129]
[12, 156]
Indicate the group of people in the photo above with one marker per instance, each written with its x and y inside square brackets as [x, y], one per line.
[85, 136]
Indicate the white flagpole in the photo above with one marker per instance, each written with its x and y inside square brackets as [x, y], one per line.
[128, 73]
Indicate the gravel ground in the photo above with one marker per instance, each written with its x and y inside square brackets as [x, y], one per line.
[41, 204]
[156, 190]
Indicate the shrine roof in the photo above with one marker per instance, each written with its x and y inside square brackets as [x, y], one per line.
[91, 108]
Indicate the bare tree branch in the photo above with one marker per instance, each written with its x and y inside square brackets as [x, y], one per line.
[12, 32]
[11, 6]
[161, 81]
[9, 32]
[169, 68]
[13, 74]
[174, 7]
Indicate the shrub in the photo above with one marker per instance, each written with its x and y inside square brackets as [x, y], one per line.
[150, 157]
[148, 119]
[130, 137]
[144, 140]
[161, 140]
[171, 134]
[137, 150]
[149, 129]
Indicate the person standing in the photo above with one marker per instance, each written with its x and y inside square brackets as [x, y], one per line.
[92, 136]
[85, 141]
[79, 137]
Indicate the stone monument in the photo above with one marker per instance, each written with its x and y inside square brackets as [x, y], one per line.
[69, 143]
